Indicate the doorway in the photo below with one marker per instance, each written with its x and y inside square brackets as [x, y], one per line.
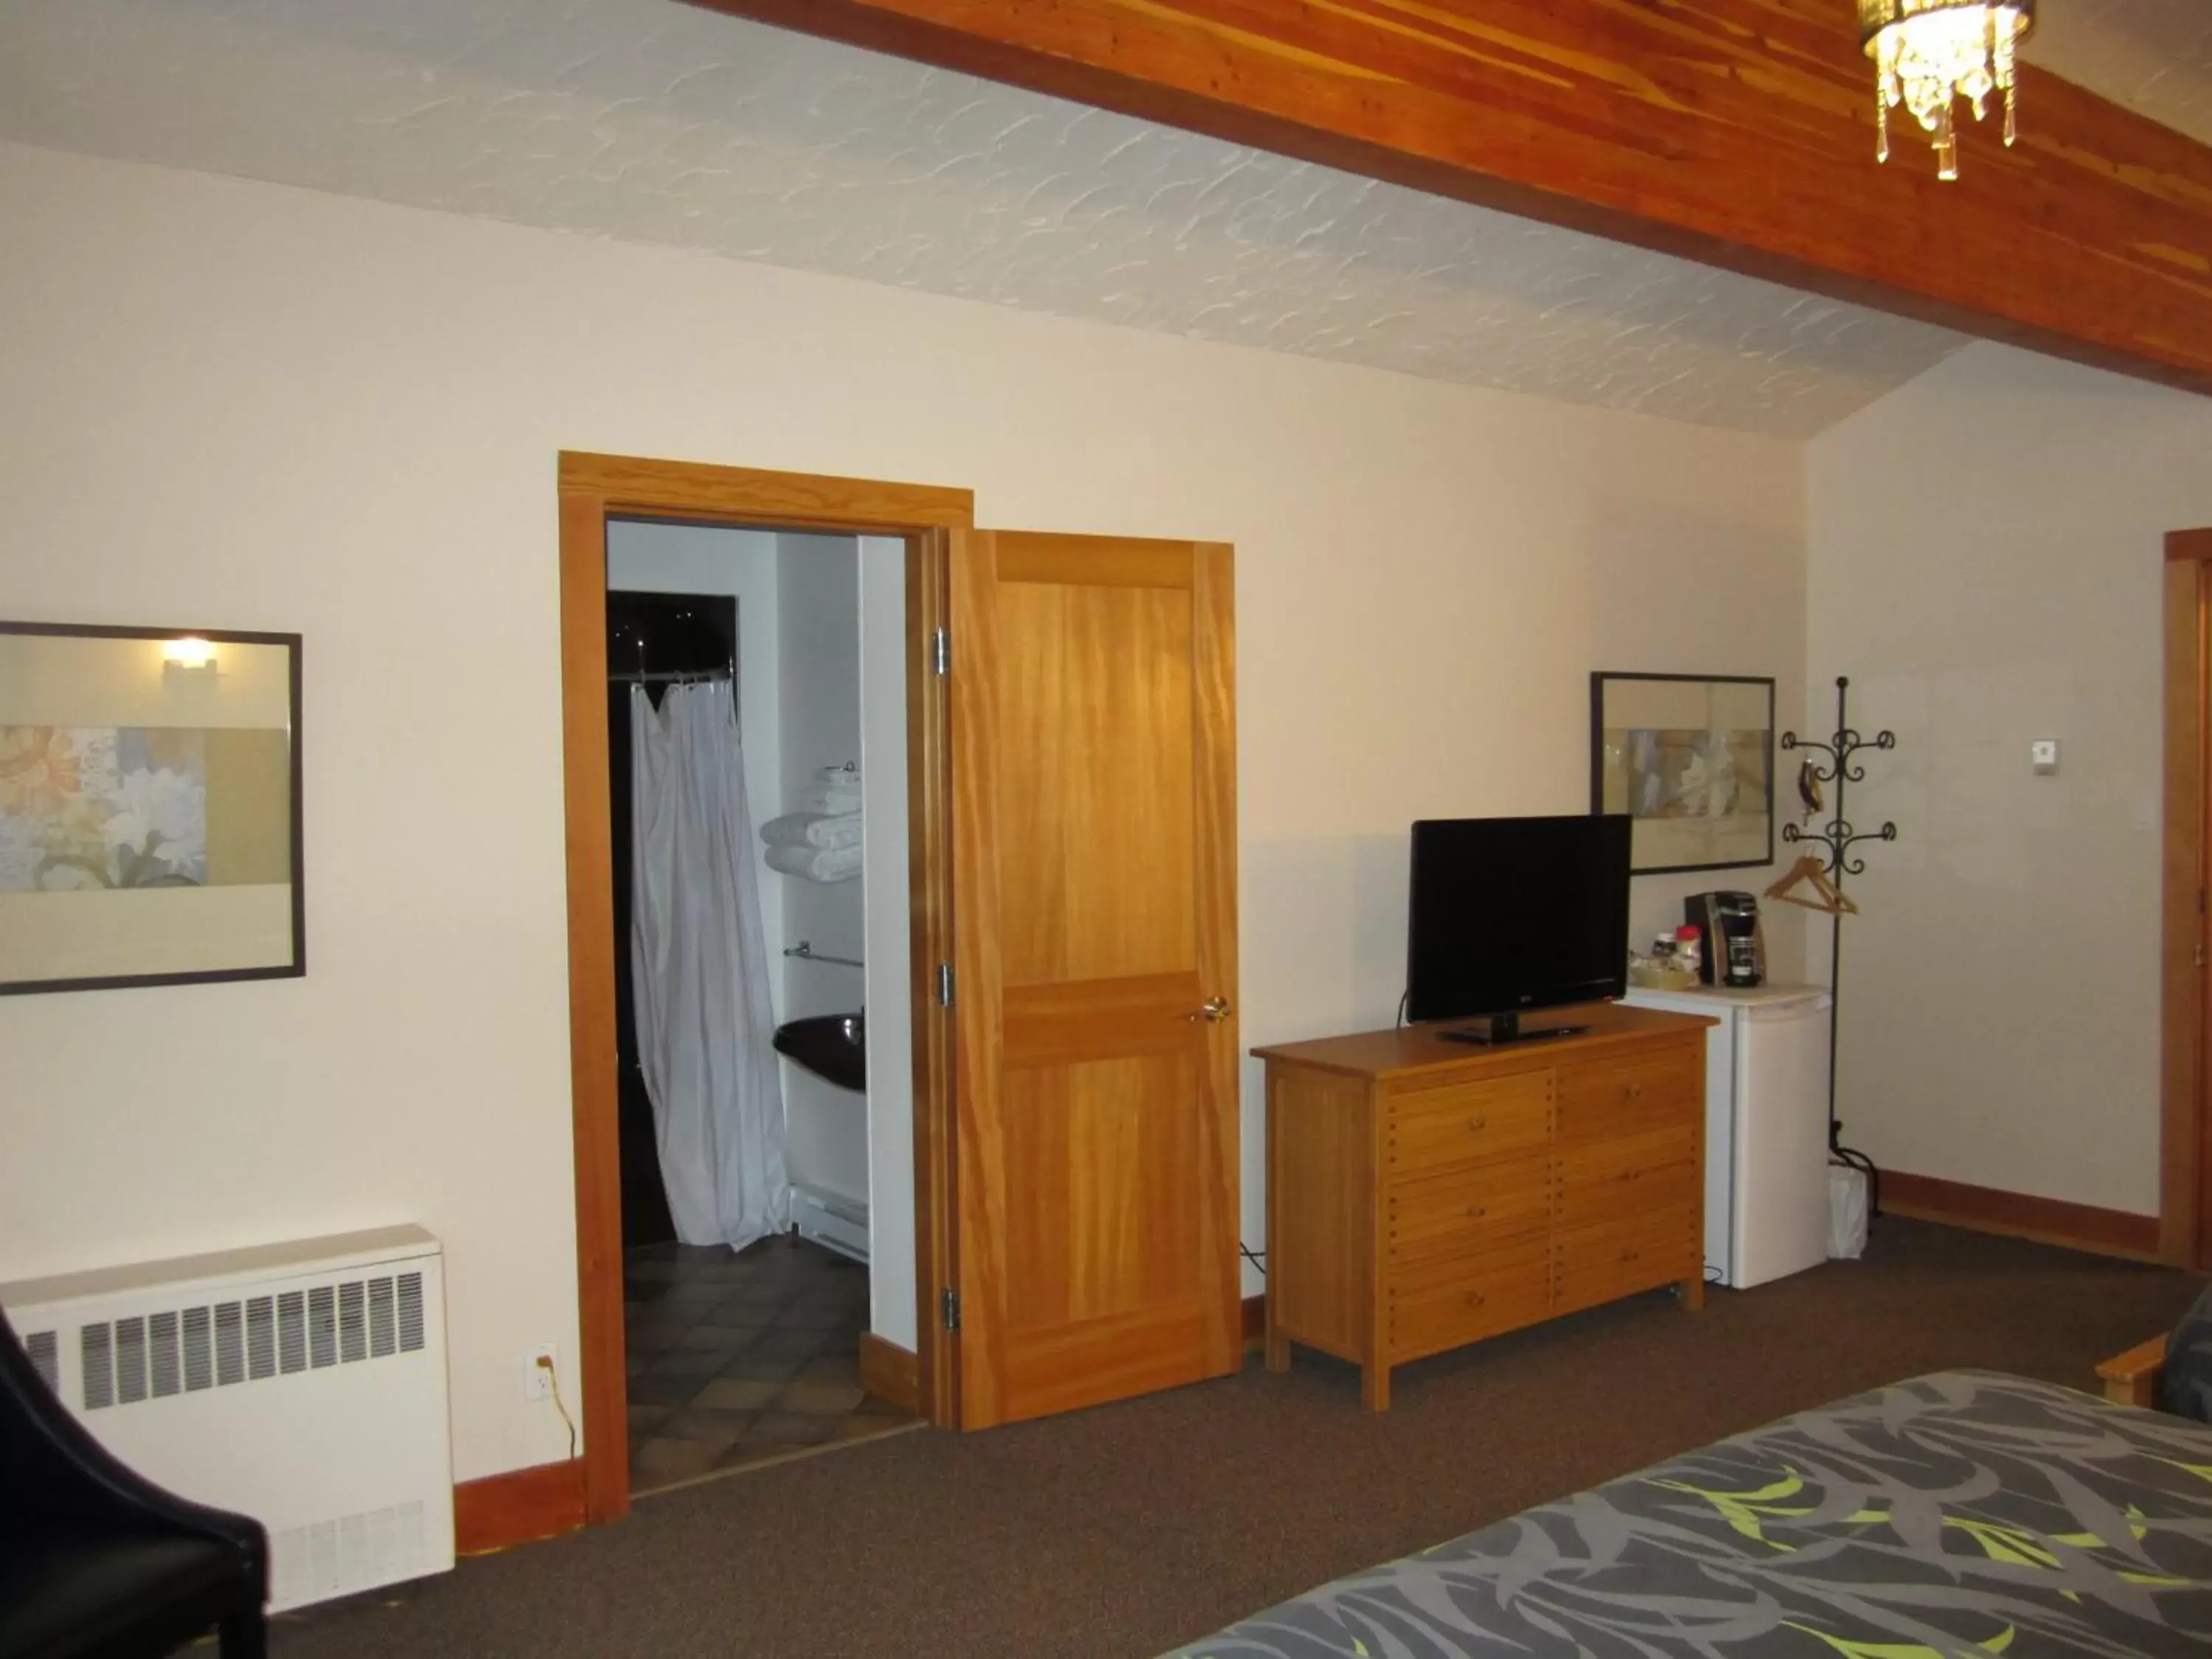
[599, 495]
[744, 1308]
[1082, 903]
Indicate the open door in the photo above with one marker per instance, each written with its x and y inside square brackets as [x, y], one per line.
[1095, 936]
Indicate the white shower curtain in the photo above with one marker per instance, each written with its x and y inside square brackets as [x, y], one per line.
[699, 970]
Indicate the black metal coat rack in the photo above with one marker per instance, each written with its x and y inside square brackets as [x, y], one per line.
[1838, 836]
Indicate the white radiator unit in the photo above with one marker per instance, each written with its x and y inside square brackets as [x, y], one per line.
[303, 1384]
[831, 1220]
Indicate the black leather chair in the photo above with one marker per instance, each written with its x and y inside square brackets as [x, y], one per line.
[97, 1562]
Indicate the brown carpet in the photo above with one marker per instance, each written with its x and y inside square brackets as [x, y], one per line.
[1123, 1531]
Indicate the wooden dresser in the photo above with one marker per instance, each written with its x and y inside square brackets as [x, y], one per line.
[1424, 1193]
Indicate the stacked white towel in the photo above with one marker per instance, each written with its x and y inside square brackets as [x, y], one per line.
[822, 864]
[813, 829]
[821, 841]
[835, 791]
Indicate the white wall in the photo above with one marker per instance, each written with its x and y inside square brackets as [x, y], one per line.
[1986, 547]
[819, 616]
[257, 407]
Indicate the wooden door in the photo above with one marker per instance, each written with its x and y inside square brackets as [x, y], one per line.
[1094, 921]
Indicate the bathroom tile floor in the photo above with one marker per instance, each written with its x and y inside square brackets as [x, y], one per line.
[737, 1358]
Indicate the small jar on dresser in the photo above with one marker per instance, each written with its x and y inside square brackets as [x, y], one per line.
[1422, 1193]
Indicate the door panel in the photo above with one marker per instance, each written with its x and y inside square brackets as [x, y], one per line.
[1094, 757]
[1093, 767]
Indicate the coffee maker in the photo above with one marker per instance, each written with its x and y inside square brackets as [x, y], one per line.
[1734, 951]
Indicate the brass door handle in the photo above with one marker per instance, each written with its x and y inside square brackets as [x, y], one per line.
[1475, 1298]
[1476, 1124]
[1476, 1211]
[1212, 1011]
[1633, 1089]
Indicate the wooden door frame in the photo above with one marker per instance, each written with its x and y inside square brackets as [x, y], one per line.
[2184, 1137]
[592, 489]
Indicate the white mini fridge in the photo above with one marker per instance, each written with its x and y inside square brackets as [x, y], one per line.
[1766, 1126]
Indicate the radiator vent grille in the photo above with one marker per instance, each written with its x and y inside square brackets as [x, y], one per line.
[261, 1337]
[383, 1335]
[130, 1360]
[309, 1562]
[229, 1343]
[187, 1349]
[323, 1326]
[96, 1345]
[292, 1332]
[44, 1349]
[162, 1340]
[199, 1351]
[410, 1312]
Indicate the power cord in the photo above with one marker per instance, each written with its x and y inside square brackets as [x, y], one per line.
[553, 1382]
[1403, 997]
[1257, 1258]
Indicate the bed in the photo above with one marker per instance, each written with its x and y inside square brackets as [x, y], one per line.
[1966, 1512]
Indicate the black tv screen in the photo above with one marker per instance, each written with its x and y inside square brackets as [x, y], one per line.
[1509, 913]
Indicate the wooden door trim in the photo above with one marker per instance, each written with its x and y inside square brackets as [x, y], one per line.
[1213, 603]
[2182, 1127]
[592, 489]
[782, 500]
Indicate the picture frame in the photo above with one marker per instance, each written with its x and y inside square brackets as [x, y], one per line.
[150, 807]
[1690, 757]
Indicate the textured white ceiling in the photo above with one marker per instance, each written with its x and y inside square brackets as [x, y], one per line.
[650, 121]
[2154, 55]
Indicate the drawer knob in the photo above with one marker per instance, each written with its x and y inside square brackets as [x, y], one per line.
[1475, 1298]
[1476, 1124]
[1630, 1255]
[1633, 1089]
[1476, 1211]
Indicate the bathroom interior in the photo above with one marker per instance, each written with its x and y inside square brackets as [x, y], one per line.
[756, 734]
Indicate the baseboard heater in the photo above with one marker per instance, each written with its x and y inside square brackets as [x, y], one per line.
[831, 1220]
[303, 1384]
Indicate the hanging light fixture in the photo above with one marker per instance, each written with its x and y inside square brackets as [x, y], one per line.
[1928, 53]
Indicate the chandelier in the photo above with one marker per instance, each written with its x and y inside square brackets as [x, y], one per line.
[1928, 53]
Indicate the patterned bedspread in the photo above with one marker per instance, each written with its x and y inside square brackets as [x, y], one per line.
[1963, 1513]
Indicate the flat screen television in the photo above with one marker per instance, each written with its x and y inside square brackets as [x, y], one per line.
[1510, 914]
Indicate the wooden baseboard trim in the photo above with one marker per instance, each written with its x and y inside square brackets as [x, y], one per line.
[1255, 1315]
[519, 1507]
[890, 1373]
[2048, 1220]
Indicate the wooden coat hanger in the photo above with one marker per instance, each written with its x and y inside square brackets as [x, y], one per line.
[1827, 898]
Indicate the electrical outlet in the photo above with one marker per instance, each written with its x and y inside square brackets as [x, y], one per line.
[2043, 755]
[538, 1365]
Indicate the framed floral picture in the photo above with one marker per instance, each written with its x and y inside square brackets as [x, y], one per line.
[1690, 759]
[150, 807]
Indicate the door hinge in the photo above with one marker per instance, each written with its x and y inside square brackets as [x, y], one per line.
[940, 651]
[945, 984]
[948, 1309]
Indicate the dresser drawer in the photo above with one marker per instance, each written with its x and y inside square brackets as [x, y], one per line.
[1600, 1180]
[1608, 1259]
[1457, 1123]
[1439, 1304]
[1600, 1100]
[1468, 1209]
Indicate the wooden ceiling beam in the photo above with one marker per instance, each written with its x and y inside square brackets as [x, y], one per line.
[1736, 132]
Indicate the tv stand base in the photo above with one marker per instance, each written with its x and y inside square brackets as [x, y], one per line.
[1496, 1029]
